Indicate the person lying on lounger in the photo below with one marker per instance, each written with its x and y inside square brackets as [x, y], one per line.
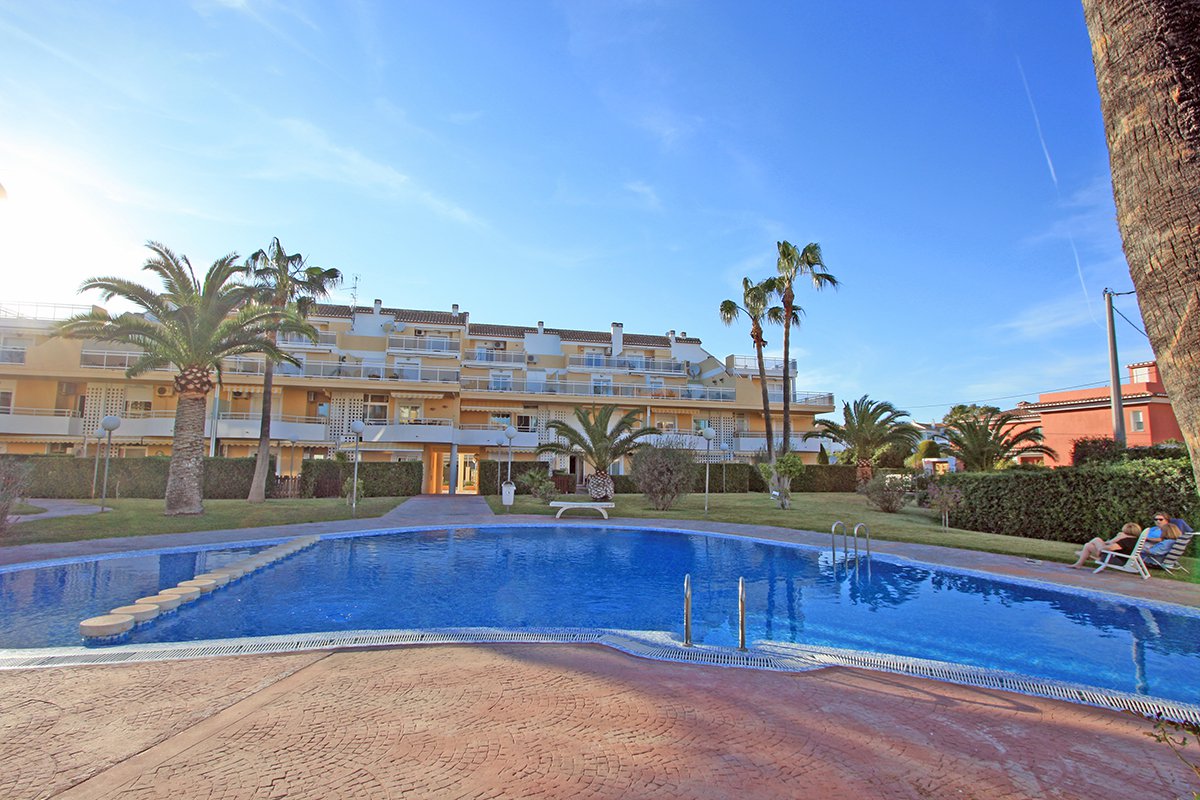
[1161, 538]
[1123, 542]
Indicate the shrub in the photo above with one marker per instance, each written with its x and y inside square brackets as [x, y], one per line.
[348, 489]
[14, 484]
[538, 484]
[1072, 504]
[377, 478]
[1103, 450]
[884, 493]
[663, 474]
[70, 477]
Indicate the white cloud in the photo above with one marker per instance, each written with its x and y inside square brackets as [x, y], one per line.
[646, 192]
[1041, 321]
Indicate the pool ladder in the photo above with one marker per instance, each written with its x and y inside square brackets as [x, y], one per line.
[687, 612]
[845, 540]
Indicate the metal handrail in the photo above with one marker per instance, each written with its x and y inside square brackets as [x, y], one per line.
[742, 614]
[632, 363]
[687, 610]
[580, 388]
[833, 537]
[486, 356]
[867, 534]
[423, 344]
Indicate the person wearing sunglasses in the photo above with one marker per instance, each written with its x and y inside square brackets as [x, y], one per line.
[1160, 538]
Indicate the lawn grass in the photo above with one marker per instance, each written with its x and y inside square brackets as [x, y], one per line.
[25, 508]
[817, 511]
[145, 517]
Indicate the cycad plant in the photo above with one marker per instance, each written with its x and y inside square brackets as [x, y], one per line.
[281, 280]
[191, 325]
[983, 441]
[599, 441]
[868, 427]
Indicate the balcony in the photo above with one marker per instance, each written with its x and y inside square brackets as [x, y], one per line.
[291, 341]
[111, 359]
[246, 424]
[424, 345]
[483, 356]
[138, 424]
[344, 370]
[12, 355]
[752, 442]
[40, 421]
[493, 436]
[820, 399]
[46, 311]
[583, 389]
[748, 366]
[664, 366]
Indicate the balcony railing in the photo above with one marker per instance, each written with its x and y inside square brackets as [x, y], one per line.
[38, 412]
[12, 355]
[749, 365]
[110, 359]
[597, 390]
[255, 416]
[803, 398]
[482, 356]
[344, 370]
[423, 344]
[628, 363]
[52, 311]
[437, 421]
[292, 341]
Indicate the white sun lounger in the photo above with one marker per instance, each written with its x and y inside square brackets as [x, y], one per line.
[1110, 559]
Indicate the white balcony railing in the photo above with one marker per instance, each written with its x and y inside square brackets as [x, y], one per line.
[482, 356]
[582, 389]
[39, 412]
[748, 365]
[110, 359]
[423, 344]
[627, 363]
[344, 370]
[49, 311]
[294, 341]
[803, 398]
[12, 355]
[39, 421]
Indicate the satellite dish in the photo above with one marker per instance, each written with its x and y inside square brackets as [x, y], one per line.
[693, 370]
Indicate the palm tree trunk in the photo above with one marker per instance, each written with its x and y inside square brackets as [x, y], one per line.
[1147, 58]
[186, 474]
[864, 472]
[766, 401]
[788, 305]
[258, 486]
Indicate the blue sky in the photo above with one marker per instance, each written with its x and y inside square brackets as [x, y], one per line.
[583, 163]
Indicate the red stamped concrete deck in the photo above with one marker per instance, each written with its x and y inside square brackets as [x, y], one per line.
[549, 721]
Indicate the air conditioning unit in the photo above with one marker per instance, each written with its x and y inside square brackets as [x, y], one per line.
[499, 345]
[66, 388]
[531, 359]
[163, 391]
[418, 332]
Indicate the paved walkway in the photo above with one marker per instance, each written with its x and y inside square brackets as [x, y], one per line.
[526, 721]
[56, 508]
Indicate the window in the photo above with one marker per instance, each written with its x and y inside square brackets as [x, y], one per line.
[701, 424]
[137, 408]
[406, 415]
[484, 353]
[6, 402]
[59, 448]
[500, 381]
[526, 423]
[499, 420]
[1137, 420]
[323, 410]
[666, 422]
[375, 409]
[655, 384]
[602, 384]
[593, 358]
[438, 343]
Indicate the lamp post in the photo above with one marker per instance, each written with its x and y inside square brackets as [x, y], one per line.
[708, 435]
[724, 460]
[358, 427]
[109, 424]
[99, 434]
[509, 490]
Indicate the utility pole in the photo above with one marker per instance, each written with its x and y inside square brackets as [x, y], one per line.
[1118, 410]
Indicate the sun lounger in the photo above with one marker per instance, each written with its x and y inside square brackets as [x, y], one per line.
[1169, 560]
[1131, 562]
[566, 505]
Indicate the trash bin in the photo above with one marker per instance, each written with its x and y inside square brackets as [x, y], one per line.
[508, 491]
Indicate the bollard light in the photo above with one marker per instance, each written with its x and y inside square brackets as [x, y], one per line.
[99, 434]
[358, 426]
[109, 424]
[708, 435]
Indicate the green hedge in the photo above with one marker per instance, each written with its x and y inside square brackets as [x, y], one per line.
[1104, 450]
[492, 474]
[1073, 504]
[814, 478]
[321, 478]
[71, 477]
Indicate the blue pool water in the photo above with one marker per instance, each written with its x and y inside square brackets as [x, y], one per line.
[578, 577]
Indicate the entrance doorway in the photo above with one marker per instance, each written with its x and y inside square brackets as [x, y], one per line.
[468, 474]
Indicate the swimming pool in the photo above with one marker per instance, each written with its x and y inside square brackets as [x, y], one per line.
[573, 577]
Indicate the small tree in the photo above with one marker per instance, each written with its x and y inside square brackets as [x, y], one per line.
[822, 455]
[663, 474]
[944, 499]
[884, 494]
[786, 467]
[14, 483]
[539, 485]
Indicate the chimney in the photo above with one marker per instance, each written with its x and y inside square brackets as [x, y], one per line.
[671, 336]
[618, 338]
[683, 334]
[454, 310]
[541, 326]
[378, 305]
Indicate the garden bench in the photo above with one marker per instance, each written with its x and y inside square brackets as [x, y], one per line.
[566, 505]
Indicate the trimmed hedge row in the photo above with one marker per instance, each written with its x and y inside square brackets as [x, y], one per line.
[1104, 450]
[492, 473]
[379, 479]
[814, 478]
[71, 477]
[1073, 504]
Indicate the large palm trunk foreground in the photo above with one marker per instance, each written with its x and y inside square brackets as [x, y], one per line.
[1147, 58]
[186, 475]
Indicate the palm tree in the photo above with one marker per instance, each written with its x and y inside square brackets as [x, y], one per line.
[981, 441]
[755, 299]
[1148, 73]
[868, 427]
[281, 281]
[794, 264]
[599, 441]
[192, 325]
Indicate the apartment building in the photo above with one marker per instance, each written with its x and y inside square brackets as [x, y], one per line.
[430, 385]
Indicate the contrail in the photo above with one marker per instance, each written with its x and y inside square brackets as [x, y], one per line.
[1037, 124]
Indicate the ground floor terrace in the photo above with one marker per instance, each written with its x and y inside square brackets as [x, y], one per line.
[539, 720]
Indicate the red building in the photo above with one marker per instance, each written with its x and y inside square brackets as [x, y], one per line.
[1067, 416]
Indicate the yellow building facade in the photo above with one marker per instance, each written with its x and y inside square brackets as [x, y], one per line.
[430, 386]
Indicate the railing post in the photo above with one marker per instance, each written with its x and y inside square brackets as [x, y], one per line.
[742, 614]
[687, 610]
